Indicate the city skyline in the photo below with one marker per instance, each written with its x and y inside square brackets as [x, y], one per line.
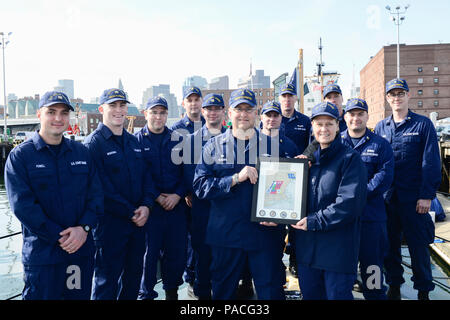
[147, 43]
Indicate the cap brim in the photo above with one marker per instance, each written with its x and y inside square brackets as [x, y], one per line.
[355, 107]
[156, 105]
[325, 94]
[191, 93]
[238, 102]
[268, 110]
[324, 114]
[212, 105]
[58, 102]
[115, 99]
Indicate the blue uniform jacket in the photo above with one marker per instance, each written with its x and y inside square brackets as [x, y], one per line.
[49, 193]
[337, 192]
[193, 148]
[229, 222]
[378, 157]
[417, 171]
[165, 164]
[188, 125]
[298, 129]
[126, 181]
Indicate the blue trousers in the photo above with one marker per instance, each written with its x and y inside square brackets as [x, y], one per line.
[372, 251]
[317, 284]
[229, 263]
[418, 230]
[166, 236]
[71, 280]
[189, 273]
[118, 266]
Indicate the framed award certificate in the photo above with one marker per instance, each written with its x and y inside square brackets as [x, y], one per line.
[280, 193]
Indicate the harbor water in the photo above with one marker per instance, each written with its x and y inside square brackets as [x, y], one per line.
[11, 270]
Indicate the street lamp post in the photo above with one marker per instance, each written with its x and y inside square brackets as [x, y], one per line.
[4, 42]
[397, 19]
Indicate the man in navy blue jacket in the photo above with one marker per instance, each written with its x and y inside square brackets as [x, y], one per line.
[166, 229]
[128, 198]
[417, 176]
[226, 177]
[377, 155]
[213, 112]
[327, 239]
[191, 122]
[297, 127]
[54, 190]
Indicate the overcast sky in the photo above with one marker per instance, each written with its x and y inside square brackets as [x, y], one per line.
[146, 43]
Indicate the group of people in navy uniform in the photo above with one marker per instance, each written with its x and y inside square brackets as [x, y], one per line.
[98, 217]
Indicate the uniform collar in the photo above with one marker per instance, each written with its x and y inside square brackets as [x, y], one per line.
[409, 116]
[189, 123]
[367, 136]
[146, 131]
[330, 152]
[39, 143]
[205, 131]
[294, 116]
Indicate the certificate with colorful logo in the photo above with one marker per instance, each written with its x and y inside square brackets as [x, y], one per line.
[280, 194]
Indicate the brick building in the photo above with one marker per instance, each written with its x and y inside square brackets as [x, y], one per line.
[262, 95]
[426, 68]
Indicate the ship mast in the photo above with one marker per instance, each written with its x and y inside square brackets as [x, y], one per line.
[320, 66]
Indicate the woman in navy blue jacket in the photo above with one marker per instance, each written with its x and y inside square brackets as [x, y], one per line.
[327, 240]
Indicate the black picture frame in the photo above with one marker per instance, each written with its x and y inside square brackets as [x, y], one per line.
[283, 212]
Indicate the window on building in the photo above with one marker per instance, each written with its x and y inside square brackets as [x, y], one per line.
[436, 69]
[436, 80]
[91, 120]
[419, 92]
[436, 103]
[420, 104]
[419, 69]
[436, 91]
[260, 93]
[268, 93]
[420, 80]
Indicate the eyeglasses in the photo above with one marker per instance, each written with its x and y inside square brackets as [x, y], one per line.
[400, 94]
[247, 111]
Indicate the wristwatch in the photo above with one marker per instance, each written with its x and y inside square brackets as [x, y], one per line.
[236, 178]
[86, 227]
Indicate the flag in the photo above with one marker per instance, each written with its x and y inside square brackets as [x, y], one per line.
[294, 81]
[305, 89]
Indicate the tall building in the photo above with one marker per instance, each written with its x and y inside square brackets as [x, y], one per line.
[66, 86]
[162, 90]
[426, 68]
[257, 81]
[195, 81]
[120, 85]
[219, 83]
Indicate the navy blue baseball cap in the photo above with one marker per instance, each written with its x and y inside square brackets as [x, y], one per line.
[112, 95]
[325, 109]
[242, 96]
[289, 89]
[397, 83]
[356, 103]
[156, 101]
[53, 97]
[271, 106]
[332, 87]
[191, 90]
[213, 99]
